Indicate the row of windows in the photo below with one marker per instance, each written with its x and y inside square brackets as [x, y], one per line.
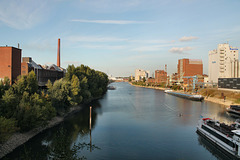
[218, 136]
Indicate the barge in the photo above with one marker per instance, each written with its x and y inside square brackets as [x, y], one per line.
[225, 137]
[193, 97]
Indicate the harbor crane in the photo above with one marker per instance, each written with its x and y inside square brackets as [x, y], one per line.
[194, 80]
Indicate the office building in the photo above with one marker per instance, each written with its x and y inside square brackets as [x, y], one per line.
[223, 63]
[140, 74]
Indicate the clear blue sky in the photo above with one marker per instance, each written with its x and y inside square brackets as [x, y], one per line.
[119, 36]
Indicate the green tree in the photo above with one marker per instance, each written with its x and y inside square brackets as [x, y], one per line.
[7, 127]
[60, 95]
[144, 79]
[4, 85]
[33, 111]
[9, 103]
[75, 90]
[26, 83]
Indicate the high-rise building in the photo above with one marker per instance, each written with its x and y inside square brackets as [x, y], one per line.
[189, 67]
[140, 74]
[223, 63]
[10, 63]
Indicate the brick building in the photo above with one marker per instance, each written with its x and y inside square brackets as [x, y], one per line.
[151, 80]
[189, 67]
[43, 73]
[10, 63]
[160, 76]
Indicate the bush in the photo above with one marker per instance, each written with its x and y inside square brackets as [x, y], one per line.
[7, 127]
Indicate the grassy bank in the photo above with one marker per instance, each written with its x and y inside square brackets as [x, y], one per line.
[220, 96]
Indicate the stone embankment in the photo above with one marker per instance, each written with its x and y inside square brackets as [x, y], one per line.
[18, 139]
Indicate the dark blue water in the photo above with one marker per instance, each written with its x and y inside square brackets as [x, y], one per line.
[134, 123]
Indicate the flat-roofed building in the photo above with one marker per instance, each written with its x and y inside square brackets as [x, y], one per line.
[189, 67]
[10, 63]
[140, 74]
[160, 76]
[223, 63]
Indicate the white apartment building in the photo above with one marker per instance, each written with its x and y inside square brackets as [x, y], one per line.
[139, 74]
[223, 63]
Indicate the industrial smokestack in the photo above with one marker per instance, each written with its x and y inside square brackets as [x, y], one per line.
[18, 46]
[165, 68]
[58, 53]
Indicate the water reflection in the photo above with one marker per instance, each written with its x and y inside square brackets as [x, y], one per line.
[215, 150]
[62, 138]
[135, 123]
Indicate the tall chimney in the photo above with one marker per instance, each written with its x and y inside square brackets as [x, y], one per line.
[165, 68]
[58, 53]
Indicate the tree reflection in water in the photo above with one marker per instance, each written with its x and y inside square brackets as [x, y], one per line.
[60, 147]
[62, 141]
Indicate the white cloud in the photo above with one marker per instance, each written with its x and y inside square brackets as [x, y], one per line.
[108, 47]
[22, 14]
[179, 50]
[116, 39]
[110, 21]
[185, 39]
[94, 39]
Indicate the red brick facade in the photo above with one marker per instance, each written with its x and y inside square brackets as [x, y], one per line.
[151, 80]
[188, 67]
[10, 63]
[160, 76]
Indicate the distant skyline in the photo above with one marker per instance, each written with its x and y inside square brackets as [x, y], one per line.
[119, 36]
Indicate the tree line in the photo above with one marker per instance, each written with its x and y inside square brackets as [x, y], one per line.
[23, 106]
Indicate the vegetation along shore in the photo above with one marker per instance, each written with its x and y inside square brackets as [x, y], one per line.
[26, 110]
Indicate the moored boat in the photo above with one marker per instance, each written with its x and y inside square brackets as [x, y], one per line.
[234, 109]
[226, 137]
[167, 90]
[111, 88]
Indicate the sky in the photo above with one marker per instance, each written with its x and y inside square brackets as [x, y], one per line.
[119, 36]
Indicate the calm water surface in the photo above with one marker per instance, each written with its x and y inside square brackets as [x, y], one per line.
[134, 123]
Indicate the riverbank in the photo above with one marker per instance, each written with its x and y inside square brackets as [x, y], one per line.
[152, 87]
[227, 102]
[19, 139]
